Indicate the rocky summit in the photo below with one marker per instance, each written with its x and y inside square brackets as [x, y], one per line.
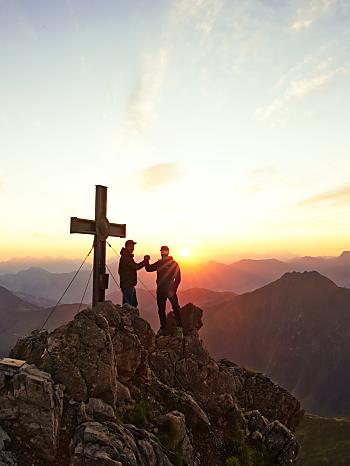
[104, 390]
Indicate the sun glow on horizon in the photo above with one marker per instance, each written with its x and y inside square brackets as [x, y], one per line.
[185, 252]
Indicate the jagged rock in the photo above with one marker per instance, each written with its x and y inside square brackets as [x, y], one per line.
[275, 436]
[271, 400]
[191, 316]
[110, 444]
[81, 356]
[178, 399]
[31, 406]
[31, 347]
[109, 360]
[7, 458]
[99, 347]
[174, 436]
[255, 390]
[95, 410]
[281, 443]
[4, 439]
[256, 422]
[185, 364]
[122, 395]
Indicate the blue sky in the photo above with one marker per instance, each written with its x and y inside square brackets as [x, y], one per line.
[218, 125]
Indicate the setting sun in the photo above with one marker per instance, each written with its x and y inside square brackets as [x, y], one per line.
[185, 252]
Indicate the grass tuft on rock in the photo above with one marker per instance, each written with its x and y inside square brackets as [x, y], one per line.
[140, 414]
[242, 451]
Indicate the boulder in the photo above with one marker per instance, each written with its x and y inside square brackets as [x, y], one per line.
[89, 355]
[172, 432]
[271, 400]
[31, 408]
[31, 347]
[4, 439]
[191, 316]
[281, 443]
[95, 410]
[8, 458]
[111, 444]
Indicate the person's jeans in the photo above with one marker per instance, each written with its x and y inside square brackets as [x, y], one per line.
[161, 301]
[129, 296]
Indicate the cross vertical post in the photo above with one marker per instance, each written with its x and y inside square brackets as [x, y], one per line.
[100, 279]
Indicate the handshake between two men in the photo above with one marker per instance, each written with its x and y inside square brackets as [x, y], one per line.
[168, 280]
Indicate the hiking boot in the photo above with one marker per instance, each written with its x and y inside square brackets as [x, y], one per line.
[179, 332]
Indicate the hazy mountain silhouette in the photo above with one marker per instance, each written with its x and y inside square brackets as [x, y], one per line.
[52, 264]
[35, 300]
[8, 301]
[295, 329]
[41, 284]
[240, 277]
[18, 318]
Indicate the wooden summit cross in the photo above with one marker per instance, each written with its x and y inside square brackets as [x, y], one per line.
[101, 229]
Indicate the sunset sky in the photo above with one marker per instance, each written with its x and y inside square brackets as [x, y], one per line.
[220, 126]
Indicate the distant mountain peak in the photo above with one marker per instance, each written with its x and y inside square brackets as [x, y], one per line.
[35, 269]
[272, 260]
[307, 277]
[9, 301]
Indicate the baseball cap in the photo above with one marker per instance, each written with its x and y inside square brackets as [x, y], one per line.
[130, 241]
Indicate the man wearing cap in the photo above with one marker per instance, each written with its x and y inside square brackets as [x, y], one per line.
[168, 280]
[128, 272]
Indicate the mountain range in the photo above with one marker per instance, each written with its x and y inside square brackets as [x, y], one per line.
[18, 318]
[44, 288]
[295, 329]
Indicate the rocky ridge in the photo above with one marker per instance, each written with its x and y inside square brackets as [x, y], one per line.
[104, 390]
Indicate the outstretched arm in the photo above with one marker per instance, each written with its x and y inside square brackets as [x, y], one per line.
[134, 265]
[152, 267]
[141, 264]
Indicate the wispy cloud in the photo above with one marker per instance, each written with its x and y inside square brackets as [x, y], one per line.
[300, 87]
[143, 96]
[229, 35]
[203, 12]
[338, 196]
[311, 12]
[141, 104]
[158, 175]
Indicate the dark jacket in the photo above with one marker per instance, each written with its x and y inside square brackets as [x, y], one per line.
[168, 274]
[128, 269]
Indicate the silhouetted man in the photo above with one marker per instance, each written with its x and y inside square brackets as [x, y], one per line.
[128, 272]
[168, 280]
